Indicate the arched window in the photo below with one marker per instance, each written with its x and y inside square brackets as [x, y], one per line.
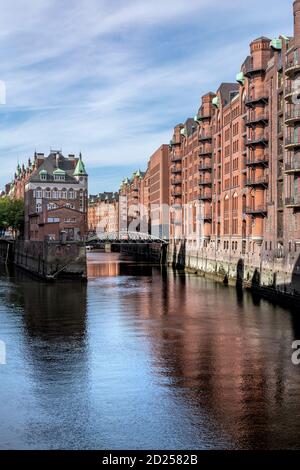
[226, 205]
[39, 193]
[64, 193]
[47, 193]
[55, 193]
[235, 202]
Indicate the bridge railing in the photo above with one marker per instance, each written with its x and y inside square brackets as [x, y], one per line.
[124, 237]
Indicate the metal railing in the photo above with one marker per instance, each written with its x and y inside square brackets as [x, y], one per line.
[259, 209]
[257, 181]
[292, 166]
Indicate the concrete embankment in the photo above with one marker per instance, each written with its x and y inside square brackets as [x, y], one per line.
[271, 276]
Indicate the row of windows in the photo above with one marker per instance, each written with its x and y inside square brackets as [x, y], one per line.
[52, 206]
[54, 194]
[55, 220]
[234, 245]
[43, 177]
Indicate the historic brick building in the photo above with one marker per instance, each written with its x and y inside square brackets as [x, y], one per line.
[103, 213]
[234, 171]
[56, 195]
[249, 167]
[130, 202]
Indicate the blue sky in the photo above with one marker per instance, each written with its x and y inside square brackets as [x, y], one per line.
[112, 78]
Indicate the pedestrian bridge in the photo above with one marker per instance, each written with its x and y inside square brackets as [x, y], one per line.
[124, 237]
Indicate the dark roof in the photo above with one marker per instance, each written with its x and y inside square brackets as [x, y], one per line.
[227, 91]
[190, 126]
[50, 165]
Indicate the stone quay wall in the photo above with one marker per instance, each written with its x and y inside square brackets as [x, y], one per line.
[267, 273]
[51, 260]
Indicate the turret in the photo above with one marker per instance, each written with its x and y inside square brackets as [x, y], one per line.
[80, 173]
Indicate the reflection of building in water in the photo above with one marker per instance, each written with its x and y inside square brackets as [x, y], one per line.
[112, 264]
[58, 308]
[222, 354]
[107, 267]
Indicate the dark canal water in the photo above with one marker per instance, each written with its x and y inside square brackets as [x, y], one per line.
[139, 358]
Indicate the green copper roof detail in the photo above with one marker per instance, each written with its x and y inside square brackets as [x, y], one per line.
[216, 101]
[43, 172]
[138, 174]
[276, 44]
[80, 168]
[58, 171]
[183, 131]
[240, 78]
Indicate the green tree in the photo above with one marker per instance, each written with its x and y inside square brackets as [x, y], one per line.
[11, 214]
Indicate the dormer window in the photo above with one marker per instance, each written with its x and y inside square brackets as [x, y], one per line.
[59, 175]
[43, 175]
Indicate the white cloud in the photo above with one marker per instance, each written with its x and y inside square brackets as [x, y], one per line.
[93, 75]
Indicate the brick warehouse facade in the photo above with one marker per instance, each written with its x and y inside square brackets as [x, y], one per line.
[234, 173]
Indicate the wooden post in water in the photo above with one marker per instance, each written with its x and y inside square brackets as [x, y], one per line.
[7, 254]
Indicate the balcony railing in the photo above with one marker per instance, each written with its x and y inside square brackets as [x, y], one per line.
[257, 181]
[292, 92]
[176, 181]
[205, 167]
[261, 139]
[176, 170]
[202, 116]
[292, 167]
[176, 193]
[257, 160]
[176, 158]
[205, 151]
[256, 118]
[292, 116]
[252, 100]
[254, 70]
[205, 136]
[293, 65]
[292, 142]
[257, 210]
[175, 141]
[293, 201]
[205, 196]
[205, 182]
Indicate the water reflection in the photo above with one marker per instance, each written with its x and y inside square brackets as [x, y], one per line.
[143, 357]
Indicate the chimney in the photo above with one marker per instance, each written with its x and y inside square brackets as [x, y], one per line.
[297, 23]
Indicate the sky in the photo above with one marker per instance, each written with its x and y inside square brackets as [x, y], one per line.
[111, 78]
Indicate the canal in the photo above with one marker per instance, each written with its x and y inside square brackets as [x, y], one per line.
[144, 358]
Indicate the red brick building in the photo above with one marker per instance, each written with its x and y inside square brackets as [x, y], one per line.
[56, 195]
